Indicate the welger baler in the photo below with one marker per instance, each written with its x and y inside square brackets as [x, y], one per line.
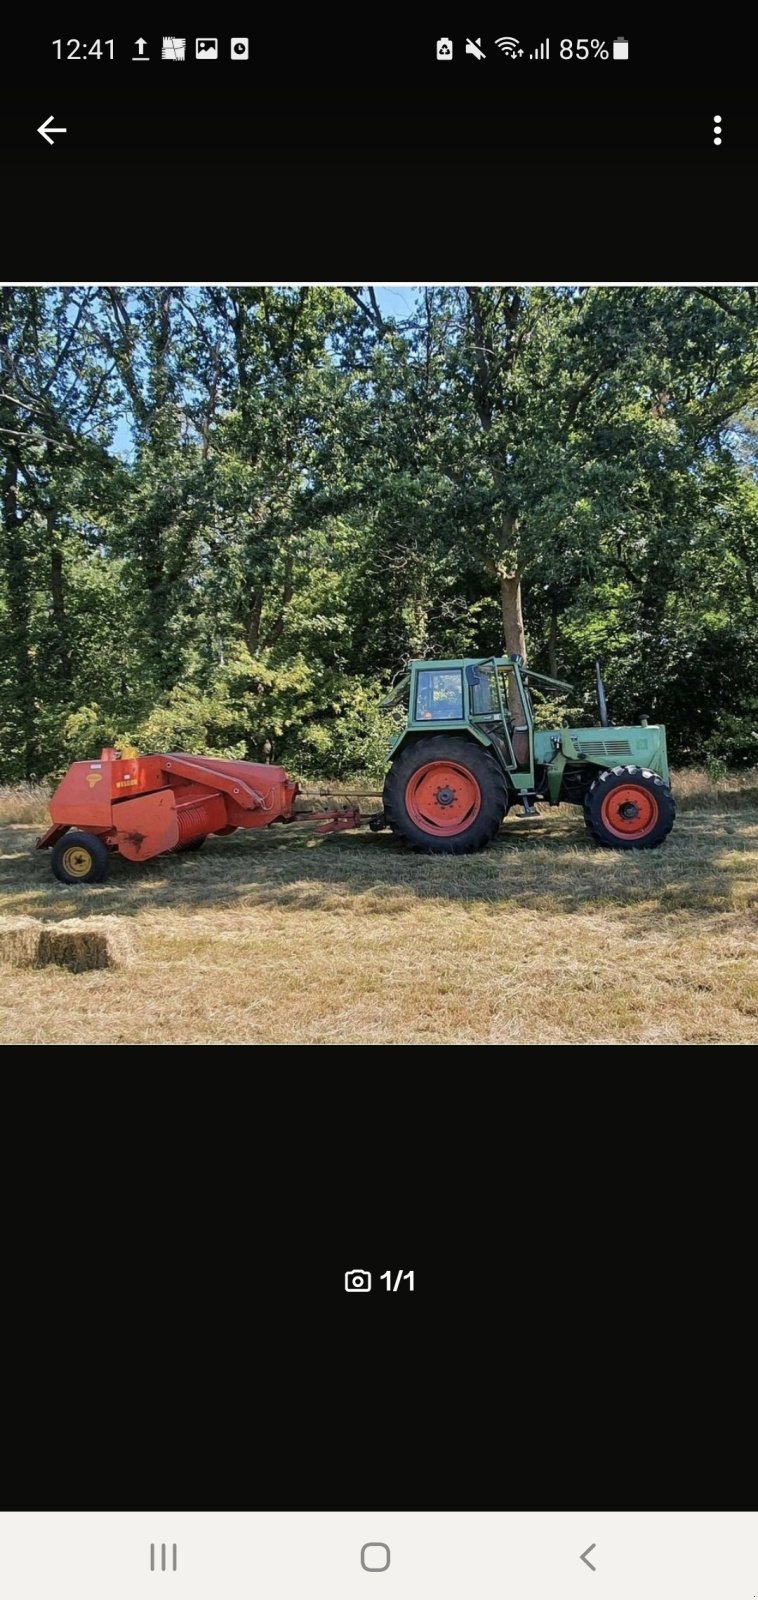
[143, 806]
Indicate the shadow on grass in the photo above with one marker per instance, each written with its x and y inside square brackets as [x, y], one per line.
[709, 864]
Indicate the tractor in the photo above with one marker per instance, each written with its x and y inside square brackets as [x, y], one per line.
[470, 751]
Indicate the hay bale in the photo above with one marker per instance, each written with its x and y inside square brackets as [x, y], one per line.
[19, 938]
[80, 944]
[83, 944]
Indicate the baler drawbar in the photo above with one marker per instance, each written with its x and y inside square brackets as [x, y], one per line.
[143, 806]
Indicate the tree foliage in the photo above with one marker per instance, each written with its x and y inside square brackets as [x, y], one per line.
[230, 515]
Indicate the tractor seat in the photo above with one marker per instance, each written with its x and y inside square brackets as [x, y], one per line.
[519, 736]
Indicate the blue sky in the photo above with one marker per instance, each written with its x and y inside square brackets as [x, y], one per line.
[394, 301]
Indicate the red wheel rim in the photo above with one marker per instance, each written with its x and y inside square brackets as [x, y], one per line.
[629, 811]
[443, 798]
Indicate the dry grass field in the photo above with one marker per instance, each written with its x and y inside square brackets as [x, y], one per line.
[279, 937]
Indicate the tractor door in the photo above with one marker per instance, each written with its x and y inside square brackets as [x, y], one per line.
[497, 706]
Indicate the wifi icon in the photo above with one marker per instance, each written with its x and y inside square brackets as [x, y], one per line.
[509, 47]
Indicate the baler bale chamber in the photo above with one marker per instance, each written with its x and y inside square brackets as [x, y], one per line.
[144, 806]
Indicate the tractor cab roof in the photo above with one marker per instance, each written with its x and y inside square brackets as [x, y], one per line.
[482, 663]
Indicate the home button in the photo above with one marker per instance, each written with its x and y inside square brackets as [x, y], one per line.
[375, 1557]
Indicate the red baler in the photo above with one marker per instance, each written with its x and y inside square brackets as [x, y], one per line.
[143, 806]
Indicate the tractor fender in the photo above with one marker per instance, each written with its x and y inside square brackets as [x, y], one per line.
[411, 735]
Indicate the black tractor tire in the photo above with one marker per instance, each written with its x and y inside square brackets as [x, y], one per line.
[191, 844]
[80, 858]
[629, 809]
[453, 810]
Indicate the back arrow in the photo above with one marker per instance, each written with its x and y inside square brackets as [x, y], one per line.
[46, 130]
[584, 1558]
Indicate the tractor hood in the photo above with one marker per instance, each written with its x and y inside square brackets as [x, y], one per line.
[616, 746]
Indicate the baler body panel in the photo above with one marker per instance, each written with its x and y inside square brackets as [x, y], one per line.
[146, 825]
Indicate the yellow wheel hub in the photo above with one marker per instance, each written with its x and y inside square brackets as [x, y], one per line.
[77, 861]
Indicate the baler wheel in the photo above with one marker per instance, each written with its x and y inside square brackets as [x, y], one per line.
[80, 858]
[191, 844]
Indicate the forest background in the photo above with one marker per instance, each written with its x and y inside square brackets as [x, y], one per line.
[231, 515]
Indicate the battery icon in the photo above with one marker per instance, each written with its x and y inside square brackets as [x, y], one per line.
[621, 49]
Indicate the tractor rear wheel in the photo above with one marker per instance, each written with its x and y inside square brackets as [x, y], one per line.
[629, 809]
[80, 858]
[445, 794]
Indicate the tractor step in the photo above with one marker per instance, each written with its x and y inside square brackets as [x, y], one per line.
[528, 808]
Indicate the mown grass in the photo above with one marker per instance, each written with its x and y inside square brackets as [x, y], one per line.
[278, 937]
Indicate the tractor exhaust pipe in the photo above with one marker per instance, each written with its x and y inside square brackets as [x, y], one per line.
[605, 721]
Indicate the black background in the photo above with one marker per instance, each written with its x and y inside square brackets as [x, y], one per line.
[345, 150]
[177, 1333]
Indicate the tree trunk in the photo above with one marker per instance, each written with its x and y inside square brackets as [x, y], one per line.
[288, 590]
[552, 642]
[513, 621]
[253, 630]
[15, 557]
[18, 630]
[513, 628]
[57, 590]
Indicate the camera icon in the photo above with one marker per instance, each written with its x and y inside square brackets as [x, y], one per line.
[240, 50]
[357, 1282]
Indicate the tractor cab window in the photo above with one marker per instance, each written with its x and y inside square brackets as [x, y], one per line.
[398, 694]
[439, 696]
[485, 701]
[484, 694]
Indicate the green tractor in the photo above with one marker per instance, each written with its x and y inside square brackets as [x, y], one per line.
[470, 751]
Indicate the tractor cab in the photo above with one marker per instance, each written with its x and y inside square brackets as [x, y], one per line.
[489, 698]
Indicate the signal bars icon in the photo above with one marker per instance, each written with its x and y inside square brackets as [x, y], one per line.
[542, 53]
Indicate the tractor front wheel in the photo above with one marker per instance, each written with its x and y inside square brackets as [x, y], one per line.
[445, 794]
[629, 809]
[80, 858]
